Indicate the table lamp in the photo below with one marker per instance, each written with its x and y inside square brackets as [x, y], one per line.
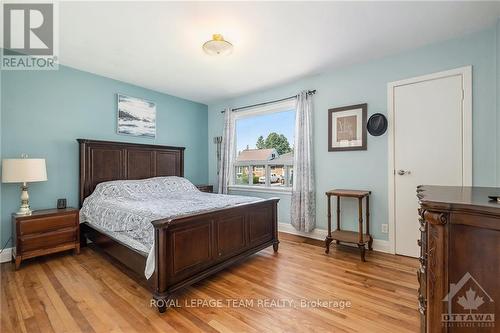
[24, 170]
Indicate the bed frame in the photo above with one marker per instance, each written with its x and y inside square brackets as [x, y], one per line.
[188, 248]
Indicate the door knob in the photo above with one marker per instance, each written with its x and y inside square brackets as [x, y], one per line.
[403, 172]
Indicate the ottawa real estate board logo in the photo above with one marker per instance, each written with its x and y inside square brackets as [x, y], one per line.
[30, 39]
[468, 305]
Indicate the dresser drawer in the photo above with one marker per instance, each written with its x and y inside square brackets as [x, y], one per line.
[48, 240]
[47, 224]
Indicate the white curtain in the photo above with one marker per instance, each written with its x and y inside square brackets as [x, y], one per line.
[303, 207]
[226, 152]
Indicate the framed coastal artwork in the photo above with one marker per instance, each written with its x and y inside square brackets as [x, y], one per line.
[136, 116]
[346, 128]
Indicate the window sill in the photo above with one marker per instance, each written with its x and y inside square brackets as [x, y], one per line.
[286, 191]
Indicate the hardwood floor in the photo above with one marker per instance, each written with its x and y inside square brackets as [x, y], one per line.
[67, 293]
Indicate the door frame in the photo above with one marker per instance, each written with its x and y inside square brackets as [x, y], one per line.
[466, 73]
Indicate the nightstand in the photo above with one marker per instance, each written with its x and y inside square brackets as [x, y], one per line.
[206, 188]
[44, 232]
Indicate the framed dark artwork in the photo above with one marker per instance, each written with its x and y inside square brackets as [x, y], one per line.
[346, 128]
[61, 203]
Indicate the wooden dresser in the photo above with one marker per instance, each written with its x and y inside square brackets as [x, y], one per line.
[43, 232]
[459, 271]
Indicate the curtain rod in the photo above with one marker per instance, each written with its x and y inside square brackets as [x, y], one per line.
[310, 92]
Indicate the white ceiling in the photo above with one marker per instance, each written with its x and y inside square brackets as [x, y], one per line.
[157, 45]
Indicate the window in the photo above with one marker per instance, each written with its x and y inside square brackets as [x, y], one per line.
[241, 175]
[263, 146]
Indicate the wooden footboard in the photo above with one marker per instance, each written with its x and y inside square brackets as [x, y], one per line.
[192, 247]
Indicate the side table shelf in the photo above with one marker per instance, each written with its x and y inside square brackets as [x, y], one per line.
[343, 236]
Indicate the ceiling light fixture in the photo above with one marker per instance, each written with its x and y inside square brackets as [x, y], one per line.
[217, 46]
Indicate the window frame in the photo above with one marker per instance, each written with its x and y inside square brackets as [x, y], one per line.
[281, 106]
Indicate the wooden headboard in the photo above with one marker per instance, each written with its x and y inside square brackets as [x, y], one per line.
[102, 161]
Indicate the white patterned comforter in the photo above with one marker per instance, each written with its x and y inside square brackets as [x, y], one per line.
[126, 208]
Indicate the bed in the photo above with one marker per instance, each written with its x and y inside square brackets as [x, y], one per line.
[188, 241]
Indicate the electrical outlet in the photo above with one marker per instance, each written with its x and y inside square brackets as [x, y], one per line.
[385, 228]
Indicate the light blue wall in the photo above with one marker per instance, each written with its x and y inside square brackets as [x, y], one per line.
[367, 82]
[44, 112]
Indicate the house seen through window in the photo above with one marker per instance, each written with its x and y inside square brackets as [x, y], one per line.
[264, 147]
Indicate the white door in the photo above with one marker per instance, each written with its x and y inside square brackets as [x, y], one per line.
[428, 145]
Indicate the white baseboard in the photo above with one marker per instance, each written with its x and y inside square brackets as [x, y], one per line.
[320, 234]
[6, 255]
[381, 245]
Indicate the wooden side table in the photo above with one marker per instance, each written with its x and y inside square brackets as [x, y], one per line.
[44, 232]
[351, 237]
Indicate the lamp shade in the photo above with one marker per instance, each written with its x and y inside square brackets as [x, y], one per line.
[23, 170]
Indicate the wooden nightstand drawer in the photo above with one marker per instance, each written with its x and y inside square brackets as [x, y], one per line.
[47, 224]
[49, 239]
[44, 232]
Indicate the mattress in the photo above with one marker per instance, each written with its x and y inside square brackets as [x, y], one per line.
[124, 209]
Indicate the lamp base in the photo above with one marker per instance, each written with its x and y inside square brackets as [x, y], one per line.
[24, 212]
[25, 201]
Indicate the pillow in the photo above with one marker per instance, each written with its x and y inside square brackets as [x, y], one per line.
[145, 188]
